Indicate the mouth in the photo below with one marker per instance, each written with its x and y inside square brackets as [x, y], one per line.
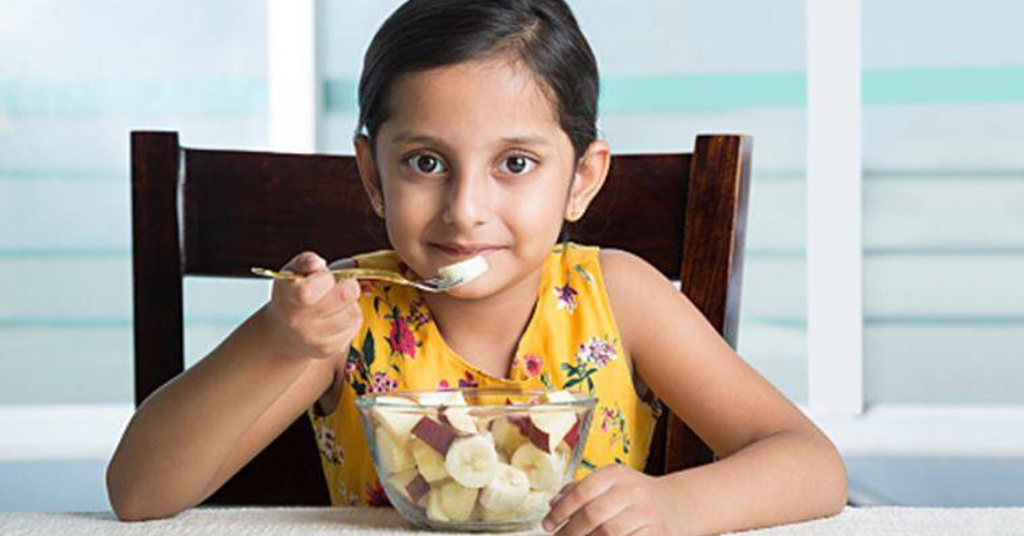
[457, 251]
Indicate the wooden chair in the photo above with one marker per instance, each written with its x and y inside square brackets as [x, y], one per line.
[215, 213]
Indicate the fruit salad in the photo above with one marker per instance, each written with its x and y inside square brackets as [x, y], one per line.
[475, 459]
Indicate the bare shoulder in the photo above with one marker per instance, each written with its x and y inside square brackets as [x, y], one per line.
[630, 282]
[687, 363]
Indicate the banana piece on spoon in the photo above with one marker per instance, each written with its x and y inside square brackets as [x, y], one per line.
[463, 271]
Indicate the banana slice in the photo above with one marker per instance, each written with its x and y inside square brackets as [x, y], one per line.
[545, 470]
[506, 491]
[428, 460]
[463, 271]
[472, 461]
[397, 421]
[552, 426]
[535, 506]
[457, 501]
[395, 457]
[434, 510]
[411, 485]
[508, 436]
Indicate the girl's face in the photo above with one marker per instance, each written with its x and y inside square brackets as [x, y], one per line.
[472, 160]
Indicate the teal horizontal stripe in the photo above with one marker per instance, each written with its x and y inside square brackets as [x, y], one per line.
[241, 97]
[943, 85]
[702, 92]
[729, 91]
[230, 97]
[655, 93]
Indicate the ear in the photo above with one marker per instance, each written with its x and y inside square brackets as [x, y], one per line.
[368, 173]
[591, 171]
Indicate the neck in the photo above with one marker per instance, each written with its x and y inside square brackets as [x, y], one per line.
[491, 324]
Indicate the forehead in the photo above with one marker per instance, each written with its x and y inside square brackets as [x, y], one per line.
[473, 103]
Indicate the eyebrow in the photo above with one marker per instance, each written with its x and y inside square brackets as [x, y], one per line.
[527, 139]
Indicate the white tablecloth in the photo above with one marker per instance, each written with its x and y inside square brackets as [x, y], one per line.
[874, 521]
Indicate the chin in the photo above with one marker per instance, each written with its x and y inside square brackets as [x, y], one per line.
[470, 291]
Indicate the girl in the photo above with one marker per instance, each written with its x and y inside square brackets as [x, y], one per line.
[477, 136]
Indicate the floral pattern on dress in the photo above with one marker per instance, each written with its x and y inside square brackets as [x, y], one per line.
[347, 498]
[566, 297]
[591, 356]
[468, 381]
[534, 364]
[327, 444]
[579, 269]
[613, 423]
[375, 495]
[403, 342]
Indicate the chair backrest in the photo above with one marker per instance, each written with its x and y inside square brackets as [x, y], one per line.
[203, 212]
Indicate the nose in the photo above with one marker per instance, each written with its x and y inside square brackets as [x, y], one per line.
[468, 202]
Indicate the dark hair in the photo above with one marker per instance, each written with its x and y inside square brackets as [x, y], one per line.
[543, 34]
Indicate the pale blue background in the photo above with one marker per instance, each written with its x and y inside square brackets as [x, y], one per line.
[943, 192]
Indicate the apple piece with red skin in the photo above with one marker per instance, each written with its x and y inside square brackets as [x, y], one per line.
[411, 485]
[436, 434]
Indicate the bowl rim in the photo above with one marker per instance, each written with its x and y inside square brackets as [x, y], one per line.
[368, 400]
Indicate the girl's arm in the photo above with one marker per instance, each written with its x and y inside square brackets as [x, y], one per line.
[197, 430]
[775, 465]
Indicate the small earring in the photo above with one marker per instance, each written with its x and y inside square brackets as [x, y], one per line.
[378, 206]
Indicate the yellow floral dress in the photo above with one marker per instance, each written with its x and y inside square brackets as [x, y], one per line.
[571, 342]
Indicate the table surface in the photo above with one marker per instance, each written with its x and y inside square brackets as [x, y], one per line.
[870, 521]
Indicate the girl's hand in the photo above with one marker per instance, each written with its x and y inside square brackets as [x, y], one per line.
[313, 317]
[614, 500]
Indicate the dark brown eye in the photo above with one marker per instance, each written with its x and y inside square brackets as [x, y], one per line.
[424, 163]
[517, 164]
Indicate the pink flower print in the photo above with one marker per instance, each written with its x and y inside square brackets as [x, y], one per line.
[607, 418]
[375, 495]
[382, 383]
[566, 297]
[401, 338]
[443, 384]
[534, 363]
[351, 368]
[597, 351]
[468, 381]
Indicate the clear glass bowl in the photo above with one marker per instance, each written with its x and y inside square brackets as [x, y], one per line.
[475, 459]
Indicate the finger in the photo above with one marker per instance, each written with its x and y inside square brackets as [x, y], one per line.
[312, 288]
[599, 513]
[645, 530]
[305, 263]
[348, 319]
[341, 296]
[582, 492]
